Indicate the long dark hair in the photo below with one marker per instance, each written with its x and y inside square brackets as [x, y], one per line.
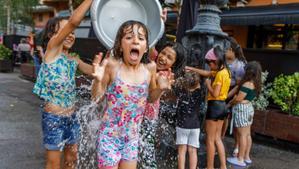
[180, 59]
[237, 49]
[117, 52]
[253, 72]
[221, 60]
[51, 28]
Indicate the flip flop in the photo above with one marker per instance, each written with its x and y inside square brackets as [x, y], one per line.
[248, 161]
[235, 161]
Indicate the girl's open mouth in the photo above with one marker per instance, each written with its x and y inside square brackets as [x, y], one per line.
[134, 54]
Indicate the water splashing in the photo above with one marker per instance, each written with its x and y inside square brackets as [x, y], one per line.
[89, 114]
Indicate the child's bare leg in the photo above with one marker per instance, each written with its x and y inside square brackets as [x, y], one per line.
[249, 144]
[236, 137]
[192, 151]
[243, 133]
[224, 128]
[70, 156]
[53, 159]
[219, 144]
[182, 149]
[210, 142]
[127, 164]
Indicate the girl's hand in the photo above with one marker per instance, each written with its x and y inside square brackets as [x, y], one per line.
[189, 69]
[98, 67]
[165, 79]
[208, 82]
[40, 51]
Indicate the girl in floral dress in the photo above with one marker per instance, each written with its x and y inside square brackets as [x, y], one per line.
[128, 80]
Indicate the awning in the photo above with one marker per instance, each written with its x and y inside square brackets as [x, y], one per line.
[262, 15]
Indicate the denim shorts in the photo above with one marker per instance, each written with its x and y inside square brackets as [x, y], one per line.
[59, 131]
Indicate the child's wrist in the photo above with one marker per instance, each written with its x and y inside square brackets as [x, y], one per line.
[96, 81]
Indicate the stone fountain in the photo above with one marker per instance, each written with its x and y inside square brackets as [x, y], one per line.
[206, 34]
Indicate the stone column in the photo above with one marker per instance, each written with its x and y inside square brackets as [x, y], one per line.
[206, 34]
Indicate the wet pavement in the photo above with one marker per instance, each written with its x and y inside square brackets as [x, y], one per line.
[20, 132]
[20, 129]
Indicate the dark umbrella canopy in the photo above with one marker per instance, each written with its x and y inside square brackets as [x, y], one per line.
[187, 18]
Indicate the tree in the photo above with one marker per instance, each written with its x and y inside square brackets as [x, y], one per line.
[16, 11]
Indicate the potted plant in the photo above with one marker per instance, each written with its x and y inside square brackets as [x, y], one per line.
[28, 70]
[260, 105]
[285, 93]
[281, 123]
[5, 59]
[285, 124]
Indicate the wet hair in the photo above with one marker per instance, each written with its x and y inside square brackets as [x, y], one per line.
[237, 49]
[51, 28]
[253, 72]
[117, 51]
[180, 59]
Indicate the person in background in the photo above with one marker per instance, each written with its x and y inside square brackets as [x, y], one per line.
[188, 123]
[243, 111]
[38, 55]
[236, 62]
[16, 55]
[24, 51]
[171, 56]
[216, 110]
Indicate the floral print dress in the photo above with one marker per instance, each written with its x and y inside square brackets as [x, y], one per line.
[119, 131]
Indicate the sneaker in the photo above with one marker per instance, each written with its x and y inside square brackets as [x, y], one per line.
[235, 161]
[248, 161]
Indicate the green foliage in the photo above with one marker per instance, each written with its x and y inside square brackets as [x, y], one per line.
[20, 12]
[5, 53]
[285, 92]
[261, 102]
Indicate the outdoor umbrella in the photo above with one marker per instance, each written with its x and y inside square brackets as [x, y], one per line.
[187, 18]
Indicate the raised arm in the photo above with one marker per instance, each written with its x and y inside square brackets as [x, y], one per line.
[71, 25]
[160, 82]
[101, 76]
[84, 67]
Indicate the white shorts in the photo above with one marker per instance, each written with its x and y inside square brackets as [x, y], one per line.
[187, 137]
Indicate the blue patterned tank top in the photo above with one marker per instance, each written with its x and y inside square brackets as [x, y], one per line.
[56, 82]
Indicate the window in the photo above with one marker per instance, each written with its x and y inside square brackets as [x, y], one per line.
[292, 37]
[278, 36]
